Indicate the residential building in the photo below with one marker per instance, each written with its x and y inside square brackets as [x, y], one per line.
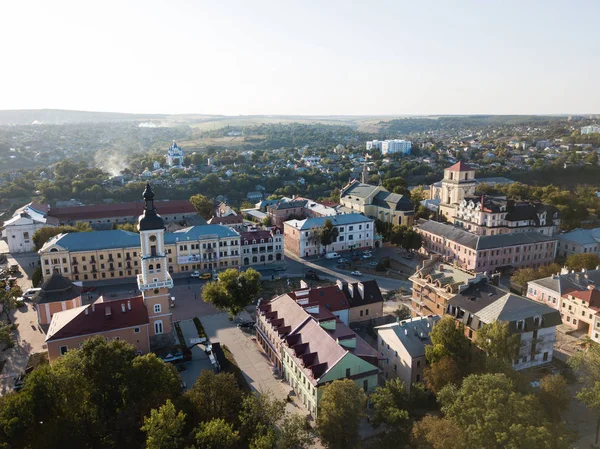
[355, 231]
[174, 155]
[374, 145]
[592, 129]
[261, 246]
[435, 283]
[396, 146]
[576, 295]
[491, 215]
[378, 203]
[311, 348]
[298, 208]
[401, 347]
[57, 294]
[486, 253]
[19, 229]
[144, 321]
[578, 241]
[535, 324]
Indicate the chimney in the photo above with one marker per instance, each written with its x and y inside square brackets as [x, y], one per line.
[123, 308]
[87, 312]
[361, 289]
[93, 307]
[340, 285]
[128, 305]
[405, 331]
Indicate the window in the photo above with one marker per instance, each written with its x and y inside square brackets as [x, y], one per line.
[366, 385]
[63, 350]
[347, 372]
[418, 379]
[136, 330]
[157, 308]
[158, 327]
[418, 363]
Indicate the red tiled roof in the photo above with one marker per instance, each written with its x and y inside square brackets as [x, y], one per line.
[100, 317]
[459, 166]
[255, 235]
[591, 296]
[331, 298]
[133, 208]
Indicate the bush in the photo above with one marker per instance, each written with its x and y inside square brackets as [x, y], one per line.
[187, 352]
[199, 328]
[36, 277]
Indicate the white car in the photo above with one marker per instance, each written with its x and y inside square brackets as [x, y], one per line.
[30, 293]
[356, 273]
[195, 274]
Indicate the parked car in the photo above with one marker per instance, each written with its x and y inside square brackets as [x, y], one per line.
[373, 264]
[246, 325]
[280, 268]
[356, 273]
[31, 293]
[367, 256]
[206, 276]
[195, 274]
[312, 276]
[13, 268]
[355, 257]
[332, 256]
[407, 255]
[342, 260]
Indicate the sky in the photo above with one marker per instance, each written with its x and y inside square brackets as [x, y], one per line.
[326, 57]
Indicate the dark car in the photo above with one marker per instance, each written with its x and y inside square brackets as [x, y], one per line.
[313, 276]
[280, 268]
[249, 325]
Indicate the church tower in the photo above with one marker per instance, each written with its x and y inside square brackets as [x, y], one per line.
[154, 281]
[458, 183]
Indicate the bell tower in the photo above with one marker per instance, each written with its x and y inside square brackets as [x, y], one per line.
[154, 281]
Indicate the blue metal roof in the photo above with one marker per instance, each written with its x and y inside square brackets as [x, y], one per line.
[99, 240]
[337, 220]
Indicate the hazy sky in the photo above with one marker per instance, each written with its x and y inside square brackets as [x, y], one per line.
[301, 57]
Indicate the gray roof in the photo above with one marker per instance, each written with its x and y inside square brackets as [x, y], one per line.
[413, 333]
[494, 180]
[383, 199]
[482, 242]
[359, 189]
[569, 281]
[337, 220]
[488, 303]
[581, 236]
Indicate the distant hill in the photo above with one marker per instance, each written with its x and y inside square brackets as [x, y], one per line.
[60, 116]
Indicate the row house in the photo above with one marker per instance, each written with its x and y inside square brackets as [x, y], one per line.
[261, 246]
[311, 347]
[486, 253]
[355, 231]
[576, 295]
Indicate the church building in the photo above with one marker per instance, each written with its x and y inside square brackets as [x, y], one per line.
[174, 155]
[145, 320]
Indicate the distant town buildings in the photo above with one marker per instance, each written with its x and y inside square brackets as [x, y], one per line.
[174, 156]
[578, 241]
[390, 146]
[592, 129]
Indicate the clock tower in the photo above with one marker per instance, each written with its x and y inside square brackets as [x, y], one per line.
[154, 281]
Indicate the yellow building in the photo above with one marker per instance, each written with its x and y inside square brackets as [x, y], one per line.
[101, 255]
[376, 202]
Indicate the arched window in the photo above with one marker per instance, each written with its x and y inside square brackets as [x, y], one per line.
[151, 268]
[262, 258]
[158, 267]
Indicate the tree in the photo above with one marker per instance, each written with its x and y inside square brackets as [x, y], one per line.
[213, 396]
[578, 262]
[294, 433]
[448, 340]
[417, 195]
[267, 221]
[203, 206]
[216, 434]
[329, 233]
[524, 275]
[587, 366]
[6, 335]
[396, 185]
[8, 300]
[389, 407]
[423, 212]
[129, 227]
[258, 416]
[406, 237]
[37, 276]
[234, 290]
[402, 312]
[497, 341]
[433, 432]
[491, 414]
[441, 373]
[554, 395]
[340, 411]
[164, 427]
[42, 235]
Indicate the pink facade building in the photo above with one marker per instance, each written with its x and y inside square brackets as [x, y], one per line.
[487, 253]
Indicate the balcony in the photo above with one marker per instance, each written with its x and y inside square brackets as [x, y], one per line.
[168, 283]
[74, 262]
[153, 256]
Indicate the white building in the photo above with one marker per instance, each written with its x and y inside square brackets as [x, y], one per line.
[592, 129]
[374, 145]
[396, 146]
[354, 231]
[174, 156]
[20, 228]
